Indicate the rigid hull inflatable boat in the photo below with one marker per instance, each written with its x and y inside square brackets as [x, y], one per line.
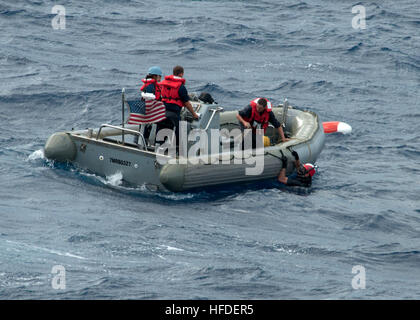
[124, 149]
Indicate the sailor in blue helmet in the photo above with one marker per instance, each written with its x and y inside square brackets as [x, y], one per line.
[151, 85]
[303, 175]
[151, 82]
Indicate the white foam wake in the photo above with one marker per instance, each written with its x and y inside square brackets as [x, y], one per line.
[38, 154]
[114, 179]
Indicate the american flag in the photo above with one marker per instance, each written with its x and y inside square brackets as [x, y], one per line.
[149, 111]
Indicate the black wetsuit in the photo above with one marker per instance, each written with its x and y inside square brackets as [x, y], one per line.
[297, 180]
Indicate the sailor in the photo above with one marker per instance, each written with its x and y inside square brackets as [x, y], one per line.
[150, 85]
[303, 175]
[151, 82]
[257, 115]
[175, 96]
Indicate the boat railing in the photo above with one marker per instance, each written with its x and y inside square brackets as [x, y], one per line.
[122, 130]
[214, 111]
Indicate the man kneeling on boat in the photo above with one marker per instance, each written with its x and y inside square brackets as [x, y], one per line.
[303, 175]
[257, 115]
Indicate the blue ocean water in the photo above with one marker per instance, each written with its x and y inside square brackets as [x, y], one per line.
[258, 241]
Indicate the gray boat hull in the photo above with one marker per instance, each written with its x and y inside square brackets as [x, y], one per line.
[105, 157]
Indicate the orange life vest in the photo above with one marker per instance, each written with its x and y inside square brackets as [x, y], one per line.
[169, 90]
[147, 82]
[259, 120]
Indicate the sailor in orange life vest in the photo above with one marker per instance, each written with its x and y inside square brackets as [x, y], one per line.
[257, 115]
[303, 175]
[150, 85]
[175, 96]
[151, 82]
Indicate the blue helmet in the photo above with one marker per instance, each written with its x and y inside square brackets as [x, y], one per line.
[155, 70]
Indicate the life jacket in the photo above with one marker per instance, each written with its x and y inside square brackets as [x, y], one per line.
[169, 90]
[259, 120]
[147, 82]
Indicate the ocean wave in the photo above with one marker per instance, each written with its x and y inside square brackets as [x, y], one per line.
[215, 89]
[8, 13]
[88, 237]
[240, 40]
[161, 21]
[396, 258]
[188, 40]
[21, 246]
[289, 84]
[299, 6]
[355, 48]
[57, 98]
[258, 240]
